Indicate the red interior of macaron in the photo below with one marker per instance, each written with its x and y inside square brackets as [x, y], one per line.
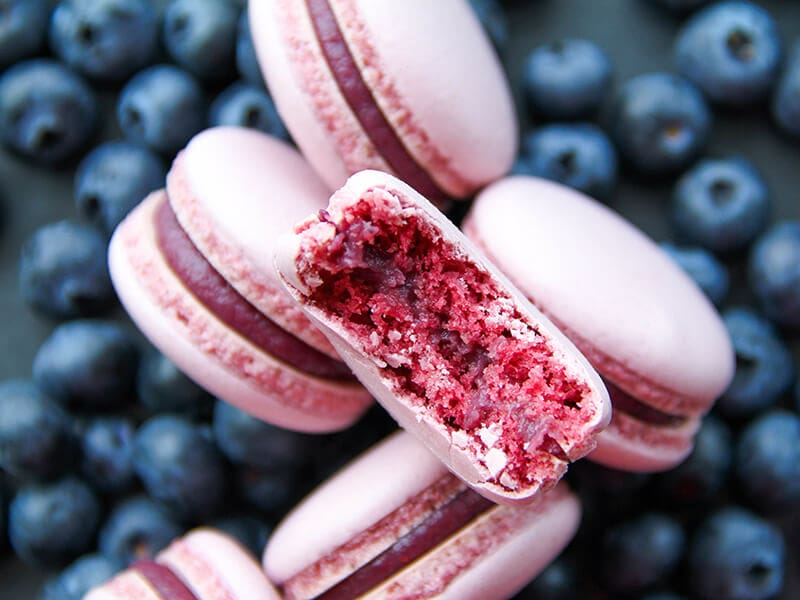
[164, 581]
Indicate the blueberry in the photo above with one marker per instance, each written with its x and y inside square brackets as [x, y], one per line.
[54, 523]
[112, 179]
[137, 528]
[47, 112]
[88, 364]
[250, 531]
[559, 581]
[768, 461]
[268, 490]
[63, 271]
[200, 35]
[774, 273]
[641, 552]
[721, 205]
[660, 123]
[730, 50]
[493, 19]
[243, 105]
[162, 107]
[735, 555]
[706, 271]
[566, 79]
[681, 6]
[764, 369]
[105, 39]
[246, 58]
[578, 155]
[23, 30]
[180, 467]
[107, 454]
[662, 596]
[162, 387]
[36, 441]
[786, 99]
[89, 571]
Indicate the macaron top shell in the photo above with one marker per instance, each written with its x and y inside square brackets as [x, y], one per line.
[632, 311]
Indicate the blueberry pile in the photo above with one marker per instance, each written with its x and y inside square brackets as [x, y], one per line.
[684, 115]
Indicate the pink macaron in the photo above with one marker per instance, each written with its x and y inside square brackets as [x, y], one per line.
[193, 267]
[412, 88]
[639, 319]
[442, 339]
[405, 527]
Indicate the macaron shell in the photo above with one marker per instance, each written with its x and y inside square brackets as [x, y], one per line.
[636, 315]
[127, 585]
[213, 355]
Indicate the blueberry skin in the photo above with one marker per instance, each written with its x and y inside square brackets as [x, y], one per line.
[566, 79]
[107, 454]
[200, 36]
[52, 524]
[243, 105]
[764, 368]
[136, 529]
[494, 21]
[774, 273]
[162, 387]
[250, 531]
[768, 461]
[47, 112]
[680, 7]
[730, 50]
[88, 364]
[87, 572]
[246, 58]
[36, 440]
[162, 107]
[24, 29]
[735, 555]
[180, 467]
[578, 155]
[660, 123]
[270, 491]
[112, 179]
[721, 204]
[559, 581]
[107, 40]
[706, 271]
[785, 104]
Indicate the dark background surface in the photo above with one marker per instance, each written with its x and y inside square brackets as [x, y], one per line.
[638, 38]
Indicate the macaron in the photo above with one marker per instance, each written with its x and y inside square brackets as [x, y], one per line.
[193, 267]
[203, 565]
[442, 339]
[655, 338]
[411, 88]
[405, 527]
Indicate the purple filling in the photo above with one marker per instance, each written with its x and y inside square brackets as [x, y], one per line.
[624, 402]
[362, 103]
[164, 581]
[442, 523]
[231, 308]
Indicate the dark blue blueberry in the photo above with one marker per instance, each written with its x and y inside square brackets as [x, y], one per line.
[494, 21]
[578, 155]
[786, 98]
[79, 577]
[163, 387]
[105, 39]
[250, 531]
[47, 112]
[88, 364]
[641, 552]
[662, 596]
[721, 204]
[730, 50]
[136, 529]
[180, 467]
[272, 491]
[774, 273]
[243, 105]
[36, 440]
[52, 524]
[200, 35]
[107, 454]
[706, 271]
[246, 58]
[112, 179]
[567, 79]
[23, 29]
[63, 271]
[660, 123]
[681, 6]
[162, 107]
[764, 368]
[559, 581]
[735, 555]
[768, 461]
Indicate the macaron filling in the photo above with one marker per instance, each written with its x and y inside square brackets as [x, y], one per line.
[163, 580]
[623, 402]
[359, 98]
[216, 294]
